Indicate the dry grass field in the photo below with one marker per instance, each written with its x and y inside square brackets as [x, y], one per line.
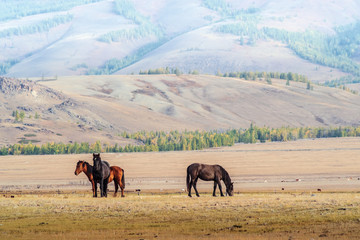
[41, 198]
[76, 215]
[329, 164]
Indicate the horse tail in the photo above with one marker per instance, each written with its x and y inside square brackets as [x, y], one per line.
[123, 178]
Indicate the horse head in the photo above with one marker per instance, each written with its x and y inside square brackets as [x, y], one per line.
[97, 160]
[230, 189]
[80, 166]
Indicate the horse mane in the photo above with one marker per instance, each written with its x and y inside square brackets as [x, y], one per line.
[89, 166]
[226, 176]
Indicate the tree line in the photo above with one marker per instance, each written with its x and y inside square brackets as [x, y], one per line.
[145, 27]
[42, 26]
[6, 65]
[335, 51]
[142, 31]
[113, 65]
[342, 83]
[247, 75]
[158, 71]
[21, 8]
[154, 141]
[253, 75]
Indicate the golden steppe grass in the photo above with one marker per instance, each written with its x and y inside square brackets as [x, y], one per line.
[76, 215]
[327, 164]
[48, 201]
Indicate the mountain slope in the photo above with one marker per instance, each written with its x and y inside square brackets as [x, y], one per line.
[90, 108]
[172, 33]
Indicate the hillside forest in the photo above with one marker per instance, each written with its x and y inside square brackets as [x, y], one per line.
[337, 48]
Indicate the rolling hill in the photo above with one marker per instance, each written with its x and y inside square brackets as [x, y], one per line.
[91, 108]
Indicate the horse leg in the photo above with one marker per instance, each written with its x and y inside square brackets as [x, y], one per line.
[95, 188]
[122, 182]
[116, 186]
[196, 191]
[190, 186]
[220, 188]
[122, 190]
[105, 186]
[215, 184]
[101, 187]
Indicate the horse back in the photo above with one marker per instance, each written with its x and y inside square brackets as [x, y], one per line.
[103, 172]
[204, 171]
[115, 172]
[106, 163]
[105, 169]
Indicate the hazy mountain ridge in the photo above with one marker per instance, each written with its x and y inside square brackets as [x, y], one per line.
[181, 34]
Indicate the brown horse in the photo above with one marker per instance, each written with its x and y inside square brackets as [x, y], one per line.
[116, 174]
[206, 172]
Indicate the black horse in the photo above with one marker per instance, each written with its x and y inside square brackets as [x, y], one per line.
[101, 174]
[205, 172]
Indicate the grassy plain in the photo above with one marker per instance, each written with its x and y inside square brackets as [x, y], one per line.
[50, 202]
[76, 215]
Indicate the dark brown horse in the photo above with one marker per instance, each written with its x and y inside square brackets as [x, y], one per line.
[206, 172]
[101, 174]
[116, 174]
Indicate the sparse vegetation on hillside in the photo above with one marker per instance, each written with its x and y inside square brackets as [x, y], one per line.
[330, 50]
[144, 29]
[6, 65]
[21, 8]
[186, 140]
[136, 33]
[253, 75]
[19, 116]
[225, 9]
[342, 82]
[113, 65]
[166, 70]
[250, 25]
[322, 49]
[42, 26]
[333, 51]
[126, 9]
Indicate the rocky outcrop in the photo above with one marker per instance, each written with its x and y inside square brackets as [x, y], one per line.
[13, 86]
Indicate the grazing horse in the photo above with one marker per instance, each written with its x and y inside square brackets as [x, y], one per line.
[116, 174]
[206, 172]
[101, 174]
